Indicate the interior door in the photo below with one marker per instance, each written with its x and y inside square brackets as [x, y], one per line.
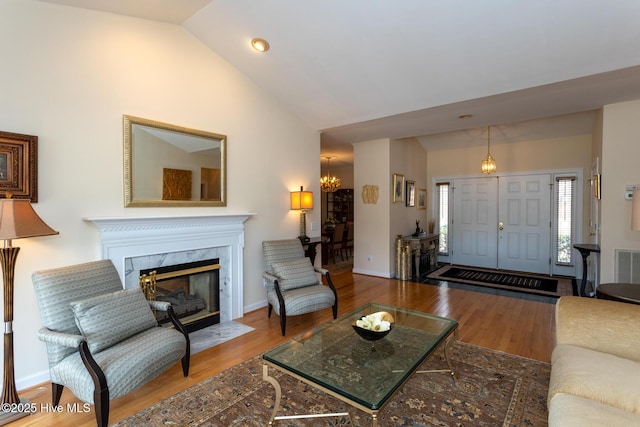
[475, 218]
[524, 223]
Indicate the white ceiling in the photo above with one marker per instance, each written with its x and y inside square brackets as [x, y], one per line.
[360, 70]
[172, 11]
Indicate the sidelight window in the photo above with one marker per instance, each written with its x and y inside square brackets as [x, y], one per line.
[441, 214]
[565, 219]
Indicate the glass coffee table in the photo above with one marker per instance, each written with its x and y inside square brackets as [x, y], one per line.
[364, 374]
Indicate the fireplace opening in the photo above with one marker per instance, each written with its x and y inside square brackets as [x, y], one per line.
[193, 289]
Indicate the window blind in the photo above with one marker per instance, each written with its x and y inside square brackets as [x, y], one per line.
[565, 219]
[441, 216]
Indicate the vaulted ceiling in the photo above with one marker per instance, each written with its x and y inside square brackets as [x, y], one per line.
[359, 70]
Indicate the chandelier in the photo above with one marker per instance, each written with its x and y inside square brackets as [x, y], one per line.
[328, 183]
[489, 164]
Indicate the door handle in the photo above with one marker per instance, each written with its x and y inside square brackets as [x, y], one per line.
[501, 226]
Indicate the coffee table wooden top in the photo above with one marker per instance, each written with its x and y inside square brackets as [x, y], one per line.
[624, 292]
[366, 373]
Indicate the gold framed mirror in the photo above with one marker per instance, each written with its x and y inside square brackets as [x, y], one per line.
[172, 166]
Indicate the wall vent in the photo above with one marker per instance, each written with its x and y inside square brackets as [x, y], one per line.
[627, 266]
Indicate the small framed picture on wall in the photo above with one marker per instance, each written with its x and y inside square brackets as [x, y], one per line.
[411, 193]
[19, 166]
[422, 198]
[398, 188]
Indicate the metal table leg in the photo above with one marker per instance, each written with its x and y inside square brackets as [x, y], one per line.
[276, 404]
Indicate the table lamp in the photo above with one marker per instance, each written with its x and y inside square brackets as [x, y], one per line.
[301, 200]
[18, 220]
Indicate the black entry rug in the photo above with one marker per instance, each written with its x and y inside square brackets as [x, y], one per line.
[521, 282]
[493, 389]
[526, 282]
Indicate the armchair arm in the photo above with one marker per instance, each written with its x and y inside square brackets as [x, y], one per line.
[160, 305]
[183, 330]
[269, 277]
[269, 280]
[322, 271]
[101, 387]
[607, 326]
[61, 338]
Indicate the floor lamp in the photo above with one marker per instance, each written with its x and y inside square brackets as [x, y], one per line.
[18, 220]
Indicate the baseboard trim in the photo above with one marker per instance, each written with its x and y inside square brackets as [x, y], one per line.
[33, 380]
[256, 306]
[372, 273]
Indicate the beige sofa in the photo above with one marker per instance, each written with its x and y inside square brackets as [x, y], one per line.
[595, 366]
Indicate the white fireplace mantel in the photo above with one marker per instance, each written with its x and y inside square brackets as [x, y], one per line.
[124, 238]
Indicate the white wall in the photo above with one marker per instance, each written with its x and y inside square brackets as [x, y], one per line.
[377, 225]
[371, 221]
[620, 154]
[68, 75]
[410, 159]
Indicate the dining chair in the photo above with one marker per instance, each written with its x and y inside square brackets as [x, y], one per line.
[337, 242]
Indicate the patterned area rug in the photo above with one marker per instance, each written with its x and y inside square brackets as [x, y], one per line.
[493, 389]
[555, 286]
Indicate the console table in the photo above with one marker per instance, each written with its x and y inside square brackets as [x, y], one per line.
[423, 245]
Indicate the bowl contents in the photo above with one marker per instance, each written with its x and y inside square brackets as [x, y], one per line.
[377, 322]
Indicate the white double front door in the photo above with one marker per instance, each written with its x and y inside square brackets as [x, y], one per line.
[503, 222]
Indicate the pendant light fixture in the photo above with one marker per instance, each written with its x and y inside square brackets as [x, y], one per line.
[328, 183]
[489, 164]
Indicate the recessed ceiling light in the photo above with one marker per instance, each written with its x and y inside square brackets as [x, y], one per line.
[261, 45]
[465, 116]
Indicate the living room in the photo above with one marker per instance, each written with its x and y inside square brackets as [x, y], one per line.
[70, 74]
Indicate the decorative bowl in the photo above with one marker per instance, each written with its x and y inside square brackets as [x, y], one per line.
[375, 326]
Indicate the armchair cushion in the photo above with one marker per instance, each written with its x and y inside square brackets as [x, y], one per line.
[127, 365]
[303, 300]
[108, 319]
[295, 274]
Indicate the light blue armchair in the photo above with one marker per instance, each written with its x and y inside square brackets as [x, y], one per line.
[103, 341]
[293, 285]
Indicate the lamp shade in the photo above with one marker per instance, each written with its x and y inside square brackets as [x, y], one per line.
[635, 211]
[18, 220]
[301, 199]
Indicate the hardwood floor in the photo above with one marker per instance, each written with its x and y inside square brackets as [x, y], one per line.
[513, 325]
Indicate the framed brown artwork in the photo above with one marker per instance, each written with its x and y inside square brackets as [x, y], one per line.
[176, 184]
[19, 166]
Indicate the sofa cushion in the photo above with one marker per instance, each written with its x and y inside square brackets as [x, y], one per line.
[596, 376]
[295, 274]
[600, 325]
[566, 410]
[110, 318]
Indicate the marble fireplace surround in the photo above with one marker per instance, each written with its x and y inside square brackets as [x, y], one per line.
[134, 243]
